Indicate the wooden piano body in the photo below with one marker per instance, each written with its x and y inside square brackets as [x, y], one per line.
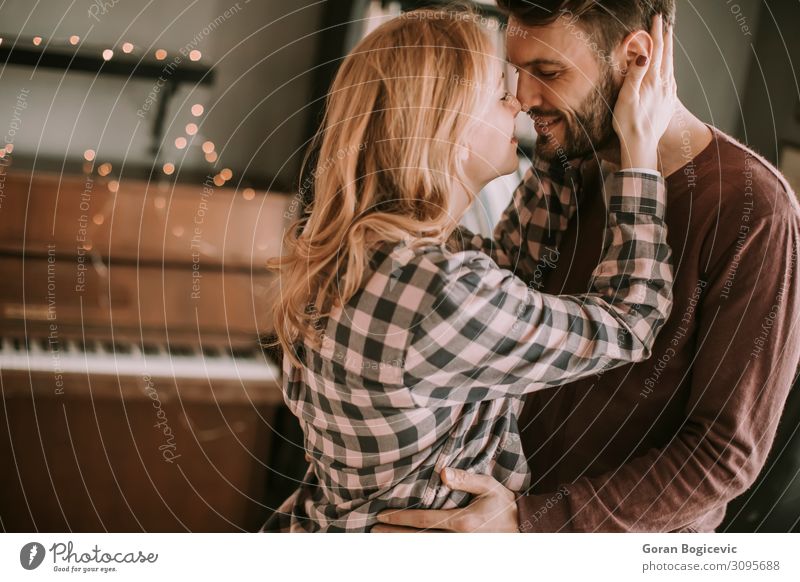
[135, 396]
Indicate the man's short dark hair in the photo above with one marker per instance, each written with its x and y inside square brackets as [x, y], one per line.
[609, 20]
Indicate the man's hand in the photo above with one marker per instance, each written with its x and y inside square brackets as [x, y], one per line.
[493, 510]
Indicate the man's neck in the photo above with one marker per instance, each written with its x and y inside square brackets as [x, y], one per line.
[685, 137]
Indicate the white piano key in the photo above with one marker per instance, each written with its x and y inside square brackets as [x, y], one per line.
[163, 365]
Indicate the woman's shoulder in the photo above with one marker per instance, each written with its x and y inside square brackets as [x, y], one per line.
[430, 267]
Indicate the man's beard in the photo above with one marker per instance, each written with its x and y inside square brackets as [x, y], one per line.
[589, 130]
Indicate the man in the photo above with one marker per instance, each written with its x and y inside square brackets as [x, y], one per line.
[665, 444]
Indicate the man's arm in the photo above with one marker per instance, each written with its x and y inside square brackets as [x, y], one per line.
[748, 351]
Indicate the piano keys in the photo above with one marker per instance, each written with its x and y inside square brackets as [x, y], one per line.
[134, 388]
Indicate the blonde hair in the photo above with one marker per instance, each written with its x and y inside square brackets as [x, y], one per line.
[388, 163]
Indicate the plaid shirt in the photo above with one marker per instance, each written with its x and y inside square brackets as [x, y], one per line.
[424, 368]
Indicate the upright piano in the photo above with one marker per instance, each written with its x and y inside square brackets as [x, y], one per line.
[135, 393]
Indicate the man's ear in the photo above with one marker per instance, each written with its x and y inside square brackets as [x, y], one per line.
[635, 44]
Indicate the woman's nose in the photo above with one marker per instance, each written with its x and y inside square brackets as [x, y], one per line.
[514, 103]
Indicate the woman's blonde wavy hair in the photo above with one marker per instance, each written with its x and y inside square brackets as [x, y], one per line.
[388, 160]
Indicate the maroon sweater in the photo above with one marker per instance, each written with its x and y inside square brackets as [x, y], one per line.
[665, 444]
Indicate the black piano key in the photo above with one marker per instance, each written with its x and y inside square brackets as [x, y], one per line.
[179, 350]
[210, 351]
[243, 352]
[120, 348]
[150, 349]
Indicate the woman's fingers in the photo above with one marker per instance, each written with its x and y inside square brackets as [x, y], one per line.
[635, 76]
[667, 64]
[656, 56]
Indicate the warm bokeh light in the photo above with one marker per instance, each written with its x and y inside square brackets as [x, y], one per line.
[107, 54]
[197, 110]
[98, 219]
[177, 231]
[37, 40]
[195, 55]
[191, 128]
[208, 147]
[113, 186]
[160, 202]
[226, 174]
[180, 142]
[74, 39]
[248, 194]
[211, 157]
[218, 181]
[9, 147]
[161, 54]
[104, 169]
[88, 155]
[168, 168]
[127, 47]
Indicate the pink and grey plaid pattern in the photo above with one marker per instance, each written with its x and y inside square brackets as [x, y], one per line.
[425, 367]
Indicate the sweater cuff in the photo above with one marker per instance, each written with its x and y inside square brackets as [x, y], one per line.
[544, 513]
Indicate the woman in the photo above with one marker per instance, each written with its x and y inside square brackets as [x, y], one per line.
[402, 356]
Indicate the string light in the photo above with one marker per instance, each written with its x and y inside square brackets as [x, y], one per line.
[160, 202]
[127, 47]
[88, 155]
[74, 39]
[161, 54]
[218, 181]
[180, 142]
[211, 157]
[107, 54]
[248, 194]
[168, 168]
[113, 186]
[191, 128]
[37, 40]
[208, 147]
[195, 55]
[98, 219]
[104, 169]
[197, 110]
[226, 174]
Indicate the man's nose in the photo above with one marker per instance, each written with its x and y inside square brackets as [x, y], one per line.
[529, 91]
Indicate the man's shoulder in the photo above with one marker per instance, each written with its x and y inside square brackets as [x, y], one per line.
[731, 170]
